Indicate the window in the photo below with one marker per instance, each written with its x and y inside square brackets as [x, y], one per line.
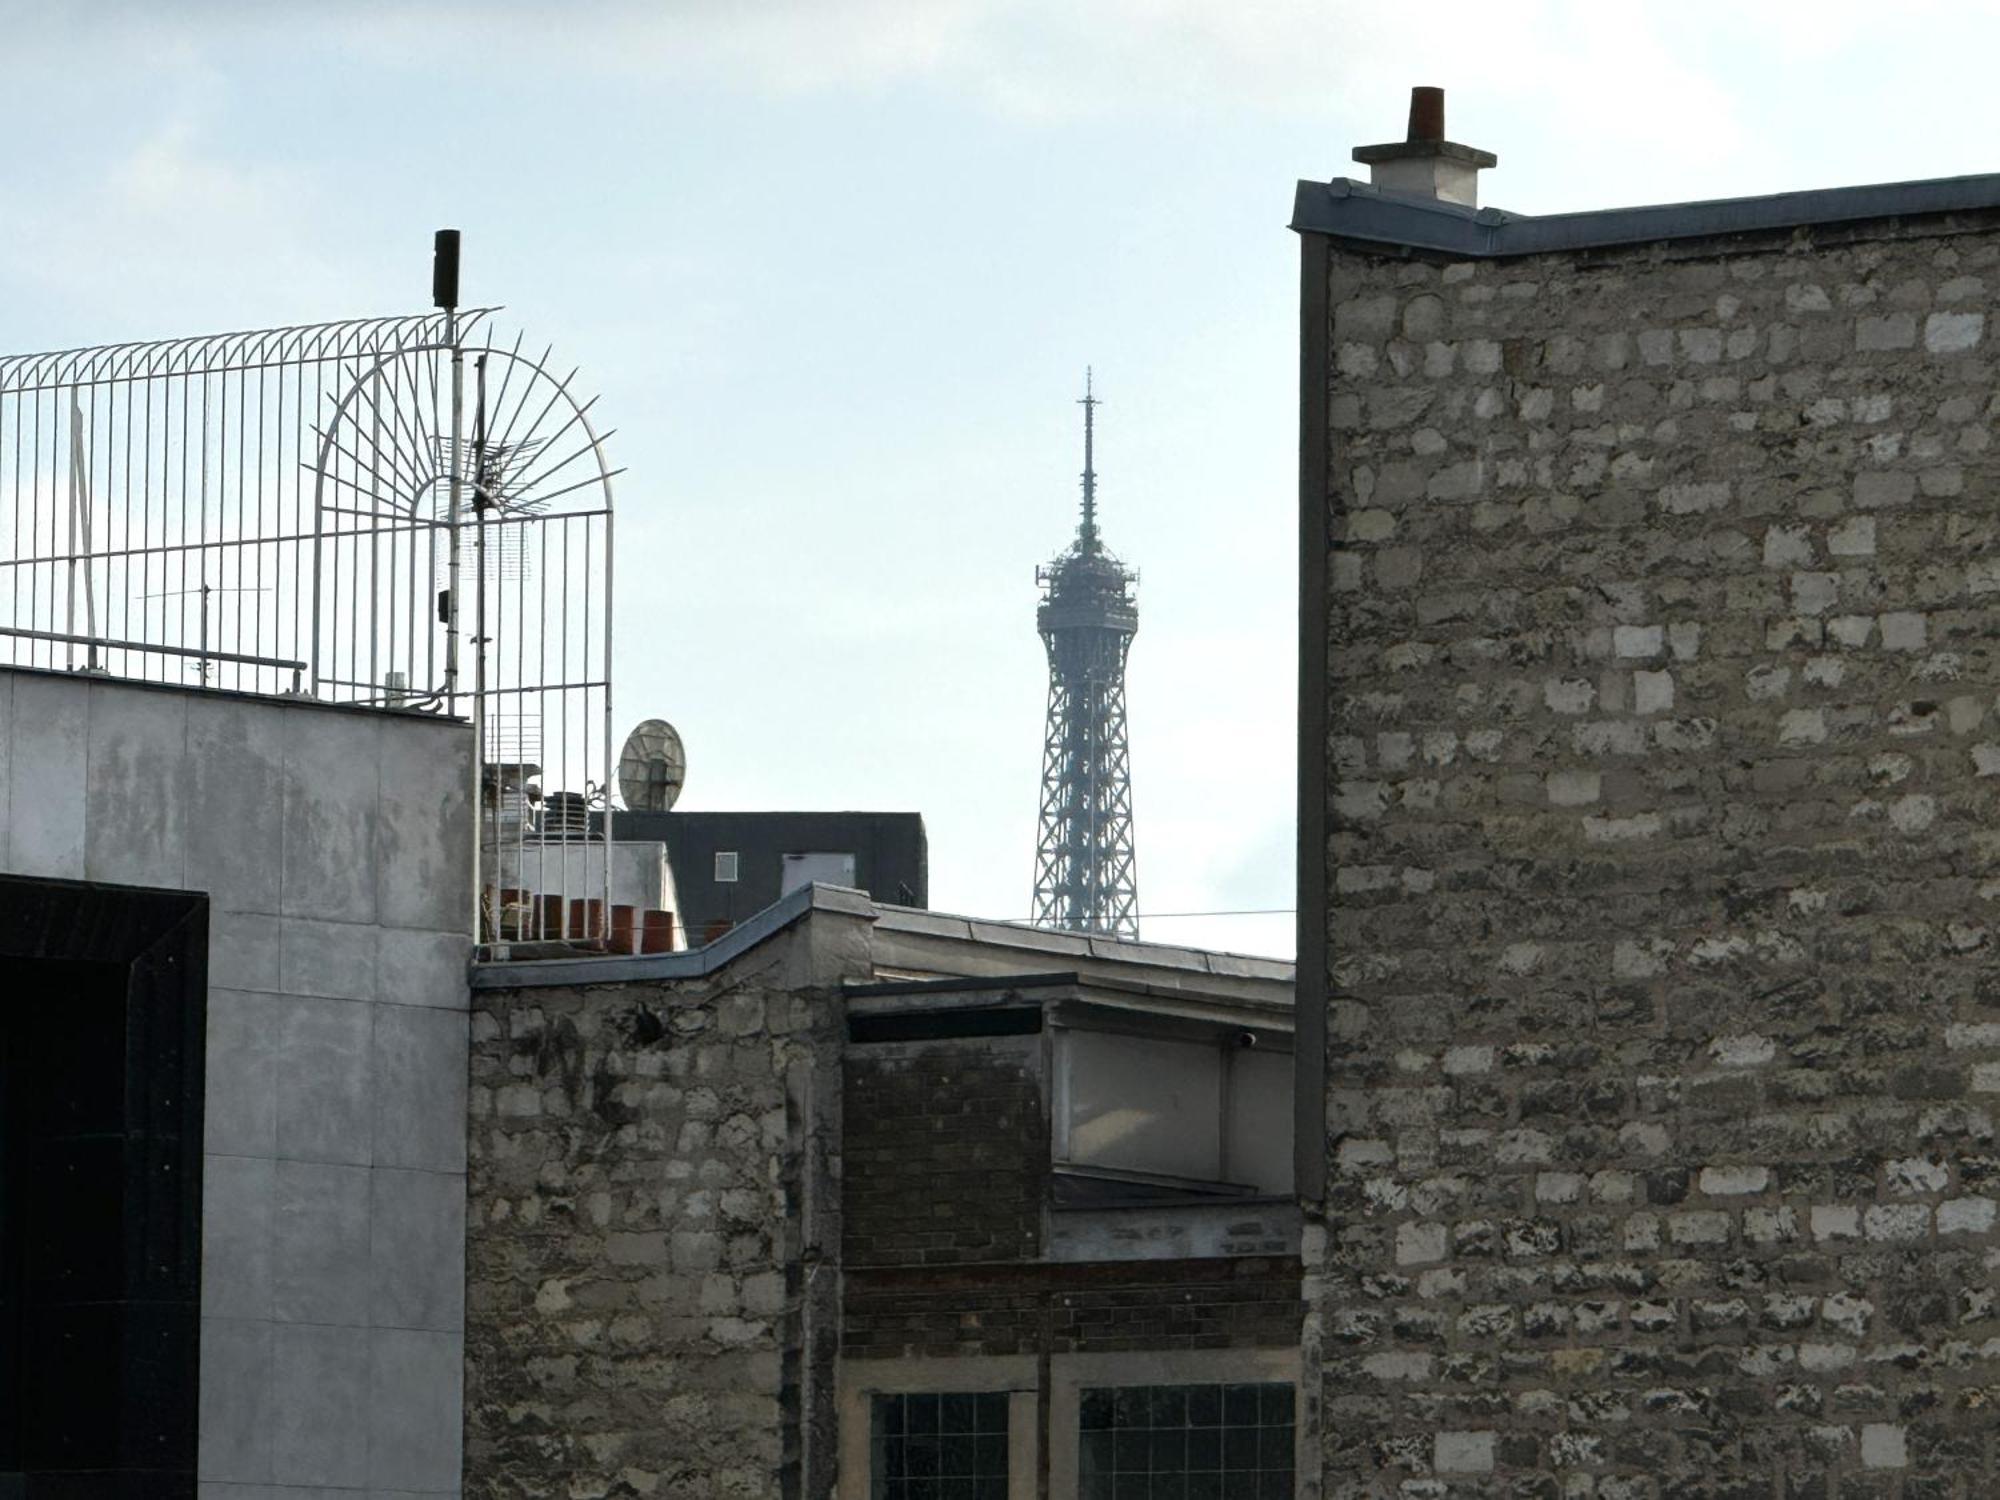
[932, 1446]
[1185, 1442]
[1206, 1110]
[725, 867]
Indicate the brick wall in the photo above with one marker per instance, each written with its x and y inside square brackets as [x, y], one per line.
[945, 1154]
[1663, 1042]
[1099, 1308]
[640, 1199]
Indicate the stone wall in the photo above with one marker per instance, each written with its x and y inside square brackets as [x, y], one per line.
[1664, 832]
[647, 1189]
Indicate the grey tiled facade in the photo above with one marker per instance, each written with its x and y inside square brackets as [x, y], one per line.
[330, 843]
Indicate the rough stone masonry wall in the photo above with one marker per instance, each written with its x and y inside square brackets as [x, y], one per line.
[643, 1161]
[1665, 837]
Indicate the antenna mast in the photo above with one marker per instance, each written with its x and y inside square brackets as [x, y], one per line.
[1087, 533]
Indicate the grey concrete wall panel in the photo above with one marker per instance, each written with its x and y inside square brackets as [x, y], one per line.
[419, 1073]
[45, 834]
[423, 968]
[320, 1269]
[416, 1229]
[242, 951]
[236, 1396]
[414, 1426]
[135, 829]
[334, 959]
[333, 767]
[242, 1102]
[319, 1405]
[333, 845]
[418, 881]
[325, 1108]
[238, 1201]
[235, 756]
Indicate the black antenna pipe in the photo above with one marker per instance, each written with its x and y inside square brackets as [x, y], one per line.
[444, 269]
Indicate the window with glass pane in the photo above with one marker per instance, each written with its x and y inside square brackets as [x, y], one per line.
[1186, 1442]
[941, 1446]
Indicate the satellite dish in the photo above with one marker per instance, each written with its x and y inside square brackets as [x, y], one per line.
[652, 767]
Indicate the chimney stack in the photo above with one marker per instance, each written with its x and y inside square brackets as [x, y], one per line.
[1426, 165]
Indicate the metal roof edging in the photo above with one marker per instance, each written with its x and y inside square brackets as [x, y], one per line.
[689, 963]
[1351, 210]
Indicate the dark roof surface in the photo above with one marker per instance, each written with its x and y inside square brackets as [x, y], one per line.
[1355, 211]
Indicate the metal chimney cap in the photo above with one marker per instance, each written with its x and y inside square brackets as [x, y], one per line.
[1426, 113]
[1425, 138]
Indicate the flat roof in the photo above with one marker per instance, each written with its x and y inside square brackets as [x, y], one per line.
[909, 944]
[1352, 210]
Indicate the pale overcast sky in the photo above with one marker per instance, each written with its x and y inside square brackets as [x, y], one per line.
[836, 268]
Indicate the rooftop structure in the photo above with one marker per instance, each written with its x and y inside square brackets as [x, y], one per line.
[394, 512]
[1085, 878]
[883, 1202]
[728, 866]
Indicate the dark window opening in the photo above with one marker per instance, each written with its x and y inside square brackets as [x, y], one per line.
[102, 1022]
[940, 1446]
[1186, 1442]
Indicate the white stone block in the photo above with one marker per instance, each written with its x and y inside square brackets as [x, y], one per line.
[1745, 1051]
[1399, 1365]
[1836, 1222]
[1558, 1187]
[1953, 332]
[1896, 1223]
[1904, 630]
[1788, 547]
[1875, 488]
[1734, 1181]
[1802, 726]
[1652, 692]
[1421, 1244]
[1621, 830]
[1568, 695]
[1699, 1227]
[1883, 1446]
[1633, 641]
[1914, 813]
[1966, 1216]
[1463, 1453]
[1576, 788]
[1854, 537]
[1692, 499]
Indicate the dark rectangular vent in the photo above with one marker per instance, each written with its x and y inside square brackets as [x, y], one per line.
[938, 1025]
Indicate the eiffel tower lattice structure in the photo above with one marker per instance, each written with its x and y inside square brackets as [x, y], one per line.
[1086, 879]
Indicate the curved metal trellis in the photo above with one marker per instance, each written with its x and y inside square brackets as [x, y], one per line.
[391, 511]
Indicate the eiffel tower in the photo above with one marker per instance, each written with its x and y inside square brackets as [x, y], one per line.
[1085, 879]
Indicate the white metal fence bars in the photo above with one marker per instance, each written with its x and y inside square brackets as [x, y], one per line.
[389, 512]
